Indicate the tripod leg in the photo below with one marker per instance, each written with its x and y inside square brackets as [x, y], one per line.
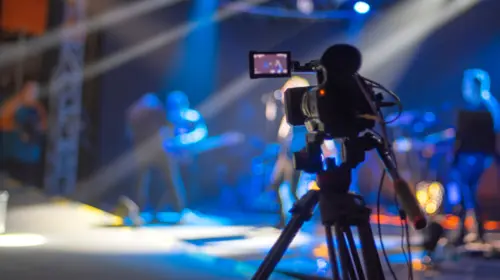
[345, 258]
[331, 252]
[354, 253]
[278, 250]
[373, 267]
[302, 211]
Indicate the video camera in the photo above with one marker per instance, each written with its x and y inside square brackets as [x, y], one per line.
[342, 104]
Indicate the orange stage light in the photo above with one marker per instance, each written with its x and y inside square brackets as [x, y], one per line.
[27, 16]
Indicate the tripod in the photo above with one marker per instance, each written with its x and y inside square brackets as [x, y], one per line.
[339, 211]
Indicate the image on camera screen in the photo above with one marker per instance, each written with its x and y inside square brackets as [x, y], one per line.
[270, 64]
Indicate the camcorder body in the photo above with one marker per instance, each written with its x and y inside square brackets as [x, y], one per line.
[341, 105]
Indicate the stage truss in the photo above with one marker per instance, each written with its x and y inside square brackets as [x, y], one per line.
[65, 105]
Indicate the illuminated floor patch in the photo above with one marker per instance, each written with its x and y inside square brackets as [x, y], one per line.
[201, 242]
[21, 240]
[238, 241]
[391, 244]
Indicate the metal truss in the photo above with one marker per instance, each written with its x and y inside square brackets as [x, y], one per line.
[65, 106]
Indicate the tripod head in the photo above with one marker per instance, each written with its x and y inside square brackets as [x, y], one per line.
[336, 179]
[311, 160]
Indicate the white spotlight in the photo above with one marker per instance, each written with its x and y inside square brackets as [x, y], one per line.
[305, 6]
[361, 7]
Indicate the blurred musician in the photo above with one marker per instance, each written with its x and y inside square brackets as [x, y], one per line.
[187, 129]
[476, 146]
[158, 136]
[283, 169]
[188, 125]
[23, 121]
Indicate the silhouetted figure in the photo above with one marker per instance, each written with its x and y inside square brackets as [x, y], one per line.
[146, 120]
[159, 134]
[476, 145]
[283, 171]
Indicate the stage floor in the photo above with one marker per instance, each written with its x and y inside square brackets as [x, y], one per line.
[57, 239]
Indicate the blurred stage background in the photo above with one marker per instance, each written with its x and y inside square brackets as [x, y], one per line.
[419, 49]
[422, 58]
[162, 46]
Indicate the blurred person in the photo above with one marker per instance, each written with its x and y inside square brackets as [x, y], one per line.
[145, 119]
[292, 139]
[283, 171]
[473, 154]
[159, 134]
[188, 129]
[23, 123]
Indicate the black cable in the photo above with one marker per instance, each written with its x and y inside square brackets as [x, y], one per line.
[408, 245]
[379, 226]
[404, 222]
[405, 234]
[401, 218]
[387, 143]
[388, 146]
[398, 102]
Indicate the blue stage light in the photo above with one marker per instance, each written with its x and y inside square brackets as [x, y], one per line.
[361, 7]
